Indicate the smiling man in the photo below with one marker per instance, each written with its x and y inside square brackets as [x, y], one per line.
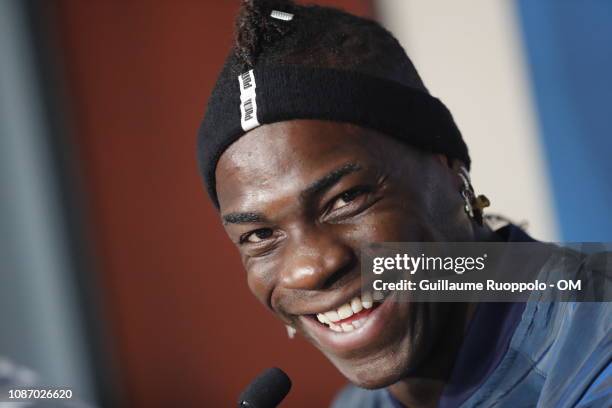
[320, 137]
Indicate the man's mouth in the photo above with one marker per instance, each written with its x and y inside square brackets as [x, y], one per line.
[354, 326]
[353, 314]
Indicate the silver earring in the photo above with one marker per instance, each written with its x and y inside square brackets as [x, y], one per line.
[474, 205]
[290, 331]
[466, 191]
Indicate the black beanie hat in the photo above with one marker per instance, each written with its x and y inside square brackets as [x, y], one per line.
[265, 90]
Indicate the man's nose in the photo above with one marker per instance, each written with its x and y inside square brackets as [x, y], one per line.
[316, 259]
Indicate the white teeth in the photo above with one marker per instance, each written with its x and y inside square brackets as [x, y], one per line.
[356, 305]
[366, 300]
[345, 311]
[378, 295]
[347, 327]
[335, 327]
[332, 316]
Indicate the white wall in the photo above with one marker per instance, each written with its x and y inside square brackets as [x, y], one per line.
[469, 54]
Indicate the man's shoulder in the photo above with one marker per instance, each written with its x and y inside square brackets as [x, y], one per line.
[583, 356]
[569, 345]
[572, 330]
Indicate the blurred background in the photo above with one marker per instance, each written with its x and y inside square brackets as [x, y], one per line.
[116, 279]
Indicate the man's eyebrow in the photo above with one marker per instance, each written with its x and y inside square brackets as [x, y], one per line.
[243, 218]
[331, 178]
[318, 186]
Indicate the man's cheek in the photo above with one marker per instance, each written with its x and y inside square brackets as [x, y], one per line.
[386, 225]
[260, 279]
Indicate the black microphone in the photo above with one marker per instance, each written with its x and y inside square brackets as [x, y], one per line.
[267, 390]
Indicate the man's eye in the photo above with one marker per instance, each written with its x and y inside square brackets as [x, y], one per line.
[256, 236]
[346, 198]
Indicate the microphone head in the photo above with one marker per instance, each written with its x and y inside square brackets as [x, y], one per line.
[267, 390]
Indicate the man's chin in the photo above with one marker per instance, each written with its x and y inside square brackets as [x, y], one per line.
[382, 367]
[382, 326]
[382, 350]
[374, 373]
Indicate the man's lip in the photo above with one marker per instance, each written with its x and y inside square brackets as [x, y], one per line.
[329, 301]
[344, 343]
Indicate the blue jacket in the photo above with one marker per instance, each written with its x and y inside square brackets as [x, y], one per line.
[534, 354]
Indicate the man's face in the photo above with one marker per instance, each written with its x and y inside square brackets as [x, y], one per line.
[300, 198]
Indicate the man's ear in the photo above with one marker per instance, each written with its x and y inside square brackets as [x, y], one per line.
[453, 166]
[456, 164]
[442, 159]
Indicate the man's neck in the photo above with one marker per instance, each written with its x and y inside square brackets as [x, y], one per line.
[483, 233]
[417, 392]
[423, 388]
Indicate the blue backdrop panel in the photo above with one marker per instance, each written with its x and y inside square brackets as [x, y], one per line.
[569, 49]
